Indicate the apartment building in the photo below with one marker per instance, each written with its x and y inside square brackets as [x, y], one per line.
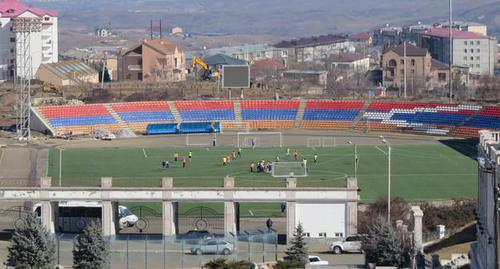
[153, 60]
[250, 52]
[476, 51]
[314, 49]
[43, 44]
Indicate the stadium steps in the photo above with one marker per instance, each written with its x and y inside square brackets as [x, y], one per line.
[300, 113]
[237, 111]
[461, 124]
[362, 112]
[175, 112]
[43, 120]
[119, 120]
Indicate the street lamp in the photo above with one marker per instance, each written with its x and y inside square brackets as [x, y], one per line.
[388, 153]
[355, 157]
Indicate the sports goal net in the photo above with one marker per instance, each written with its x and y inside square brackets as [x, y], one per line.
[289, 169]
[321, 142]
[200, 139]
[259, 139]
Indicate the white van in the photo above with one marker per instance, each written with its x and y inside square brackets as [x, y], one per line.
[73, 216]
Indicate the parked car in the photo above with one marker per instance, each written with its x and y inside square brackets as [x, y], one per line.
[216, 246]
[349, 244]
[316, 260]
[194, 236]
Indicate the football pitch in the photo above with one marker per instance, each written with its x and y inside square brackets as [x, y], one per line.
[419, 172]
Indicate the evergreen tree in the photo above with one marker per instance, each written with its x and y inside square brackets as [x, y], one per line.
[386, 246]
[297, 252]
[91, 249]
[31, 246]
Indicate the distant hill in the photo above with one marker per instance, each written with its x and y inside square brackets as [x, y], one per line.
[275, 17]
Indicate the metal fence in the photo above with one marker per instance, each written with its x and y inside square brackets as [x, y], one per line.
[158, 252]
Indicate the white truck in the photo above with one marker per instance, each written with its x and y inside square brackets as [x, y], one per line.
[316, 260]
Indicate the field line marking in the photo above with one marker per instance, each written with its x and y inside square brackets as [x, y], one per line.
[1, 156]
[144, 151]
[385, 153]
[251, 213]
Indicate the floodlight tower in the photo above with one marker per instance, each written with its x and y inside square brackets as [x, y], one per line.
[22, 28]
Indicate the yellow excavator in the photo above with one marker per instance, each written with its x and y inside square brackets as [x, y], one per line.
[208, 74]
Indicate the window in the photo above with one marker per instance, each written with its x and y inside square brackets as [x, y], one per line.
[402, 61]
[413, 62]
[314, 259]
[339, 235]
[307, 234]
[392, 63]
[478, 50]
[472, 58]
[465, 50]
[471, 43]
[478, 42]
[465, 43]
[442, 76]
[465, 58]
[478, 65]
[12, 39]
[46, 19]
[402, 71]
[322, 234]
[478, 58]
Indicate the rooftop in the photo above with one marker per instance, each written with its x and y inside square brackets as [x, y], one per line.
[444, 32]
[312, 41]
[348, 57]
[70, 69]
[411, 50]
[247, 48]
[306, 72]
[221, 59]
[437, 65]
[365, 36]
[14, 8]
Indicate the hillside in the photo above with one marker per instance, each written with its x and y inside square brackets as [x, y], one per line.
[269, 17]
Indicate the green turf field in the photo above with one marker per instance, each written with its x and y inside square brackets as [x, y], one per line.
[419, 172]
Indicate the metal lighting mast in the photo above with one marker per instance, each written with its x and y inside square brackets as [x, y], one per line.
[22, 28]
[450, 76]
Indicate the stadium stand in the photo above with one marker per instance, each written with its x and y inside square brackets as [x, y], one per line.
[337, 115]
[428, 118]
[269, 114]
[79, 119]
[137, 115]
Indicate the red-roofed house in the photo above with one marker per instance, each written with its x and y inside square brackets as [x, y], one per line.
[44, 44]
[472, 50]
[152, 60]
[363, 38]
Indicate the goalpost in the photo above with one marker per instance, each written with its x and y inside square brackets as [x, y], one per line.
[193, 140]
[321, 142]
[259, 139]
[289, 169]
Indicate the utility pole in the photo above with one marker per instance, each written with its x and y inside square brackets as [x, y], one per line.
[450, 80]
[104, 64]
[404, 59]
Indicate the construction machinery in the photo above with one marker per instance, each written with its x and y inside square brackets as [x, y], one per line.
[206, 73]
[51, 88]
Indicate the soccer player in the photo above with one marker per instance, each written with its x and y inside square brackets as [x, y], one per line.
[167, 164]
[224, 161]
[163, 164]
[252, 167]
[288, 152]
[228, 159]
[239, 152]
[295, 153]
[315, 157]
[214, 142]
[234, 154]
[176, 156]
[184, 162]
[304, 162]
[190, 155]
[253, 143]
[277, 158]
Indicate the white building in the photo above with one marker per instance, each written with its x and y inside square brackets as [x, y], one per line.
[350, 62]
[250, 52]
[44, 44]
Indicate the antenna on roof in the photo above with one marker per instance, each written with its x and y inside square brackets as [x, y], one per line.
[160, 28]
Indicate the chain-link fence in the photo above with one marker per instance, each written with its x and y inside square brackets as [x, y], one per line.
[159, 252]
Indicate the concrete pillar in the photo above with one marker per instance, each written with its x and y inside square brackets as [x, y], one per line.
[48, 209]
[291, 212]
[230, 213]
[417, 216]
[109, 210]
[352, 206]
[168, 208]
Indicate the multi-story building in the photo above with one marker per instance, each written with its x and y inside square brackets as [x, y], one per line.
[153, 60]
[43, 44]
[485, 251]
[388, 36]
[473, 50]
[465, 26]
[350, 62]
[314, 49]
[250, 52]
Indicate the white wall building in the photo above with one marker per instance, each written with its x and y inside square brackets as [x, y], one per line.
[44, 44]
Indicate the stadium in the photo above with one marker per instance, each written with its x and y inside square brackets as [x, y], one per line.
[423, 136]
